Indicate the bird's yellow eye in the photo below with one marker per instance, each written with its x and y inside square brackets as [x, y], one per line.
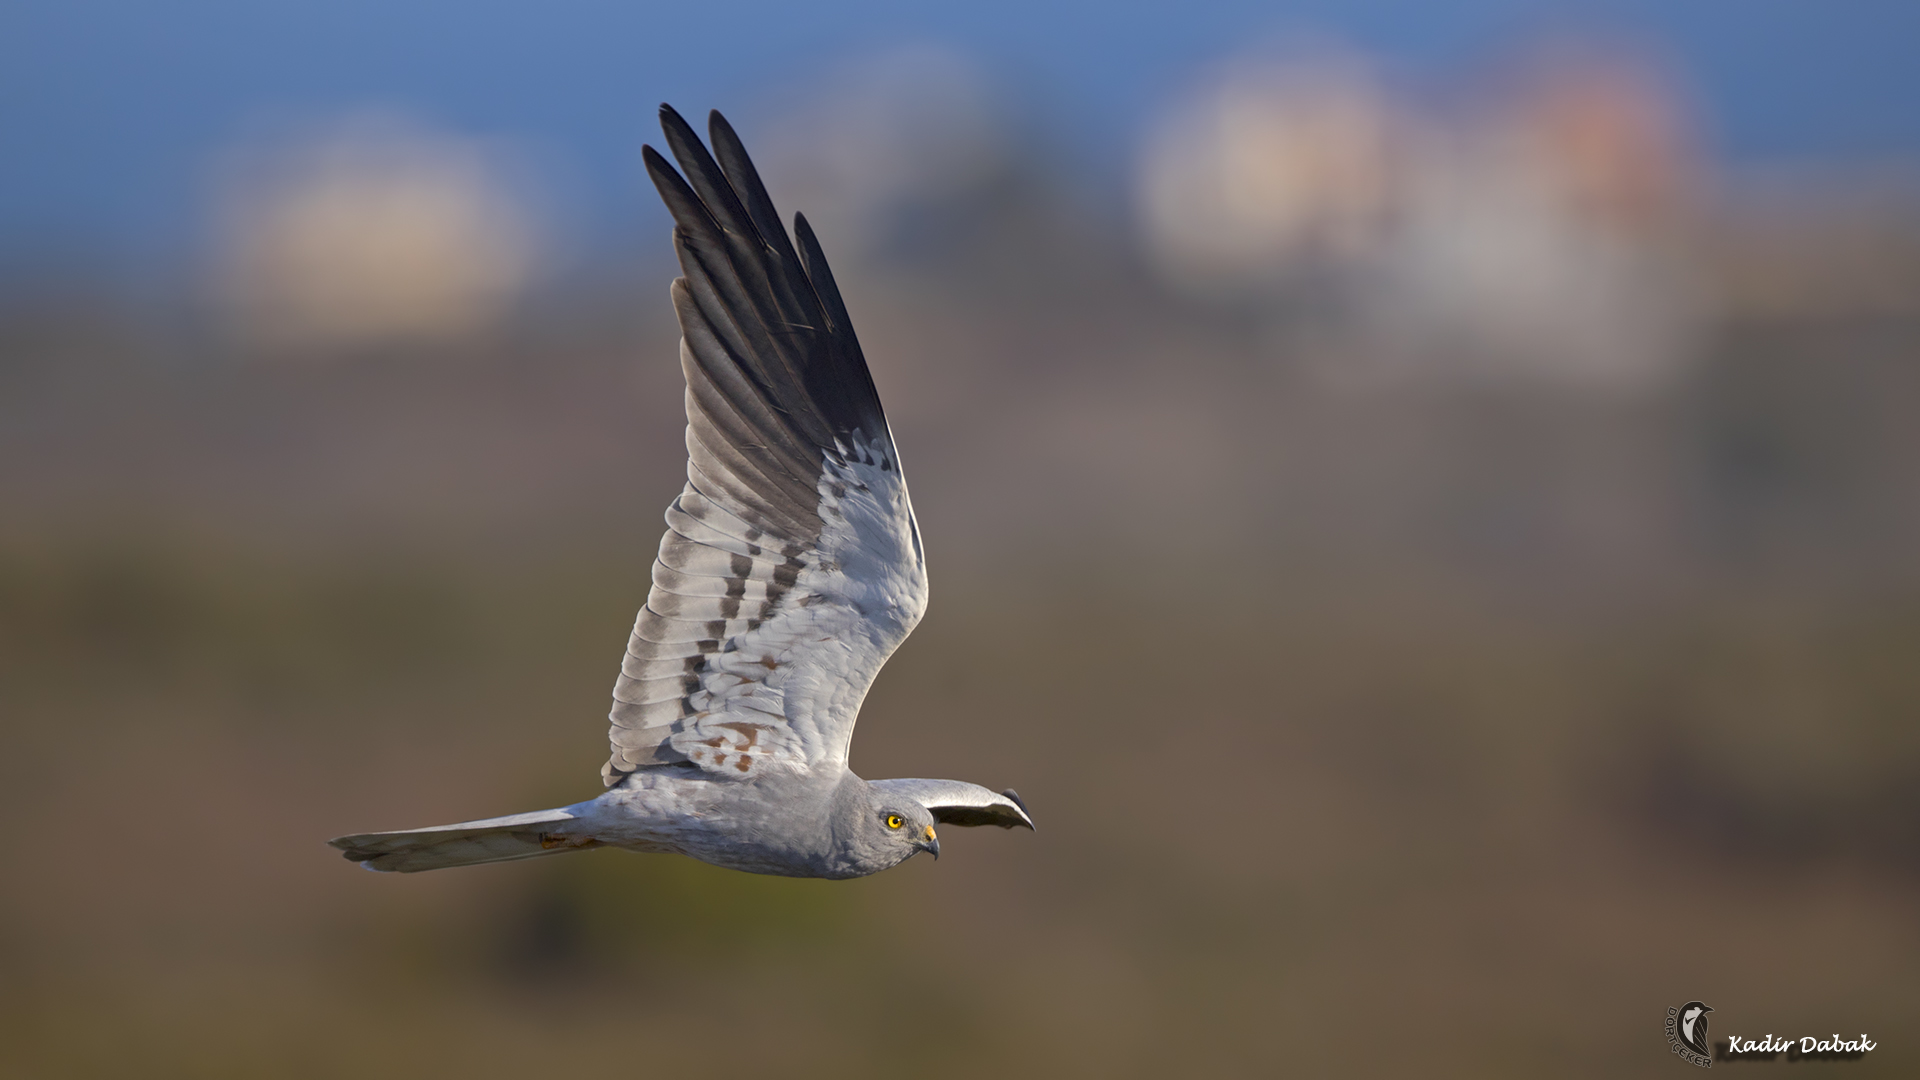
[894, 821]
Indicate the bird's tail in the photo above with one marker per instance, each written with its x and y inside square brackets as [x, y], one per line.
[520, 836]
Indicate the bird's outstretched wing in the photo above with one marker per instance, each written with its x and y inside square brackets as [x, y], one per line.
[792, 567]
[956, 802]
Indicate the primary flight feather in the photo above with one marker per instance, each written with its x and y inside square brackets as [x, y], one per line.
[791, 569]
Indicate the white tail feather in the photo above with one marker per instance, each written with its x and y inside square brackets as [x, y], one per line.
[465, 843]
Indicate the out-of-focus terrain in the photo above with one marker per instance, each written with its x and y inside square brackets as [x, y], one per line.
[1448, 589]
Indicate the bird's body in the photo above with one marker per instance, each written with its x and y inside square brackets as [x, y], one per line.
[789, 824]
[791, 569]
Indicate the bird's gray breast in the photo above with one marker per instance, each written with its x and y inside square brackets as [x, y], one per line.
[785, 822]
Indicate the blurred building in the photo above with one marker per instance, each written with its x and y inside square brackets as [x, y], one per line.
[1530, 232]
[374, 231]
[1271, 167]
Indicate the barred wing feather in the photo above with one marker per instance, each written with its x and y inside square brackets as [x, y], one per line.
[791, 567]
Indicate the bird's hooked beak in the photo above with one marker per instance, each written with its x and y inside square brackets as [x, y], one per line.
[930, 844]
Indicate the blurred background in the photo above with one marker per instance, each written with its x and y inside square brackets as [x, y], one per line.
[1423, 501]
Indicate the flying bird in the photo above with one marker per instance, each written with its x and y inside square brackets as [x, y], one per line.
[790, 570]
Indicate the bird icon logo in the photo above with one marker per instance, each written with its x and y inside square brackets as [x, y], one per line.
[1693, 1026]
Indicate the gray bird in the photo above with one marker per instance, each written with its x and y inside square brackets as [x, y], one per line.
[791, 569]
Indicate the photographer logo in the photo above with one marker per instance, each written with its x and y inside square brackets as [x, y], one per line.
[1687, 1033]
[1687, 1036]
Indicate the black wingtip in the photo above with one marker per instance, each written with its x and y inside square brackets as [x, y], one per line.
[688, 150]
[720, 131]
[682, 202]
[731, 237]
[1017, 801]
[670, 118]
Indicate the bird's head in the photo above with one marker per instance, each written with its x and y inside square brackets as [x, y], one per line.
[907, 827]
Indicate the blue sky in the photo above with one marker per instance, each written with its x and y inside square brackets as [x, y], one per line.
[111, 109]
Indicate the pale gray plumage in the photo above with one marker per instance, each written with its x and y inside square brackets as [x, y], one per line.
[791, 569]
